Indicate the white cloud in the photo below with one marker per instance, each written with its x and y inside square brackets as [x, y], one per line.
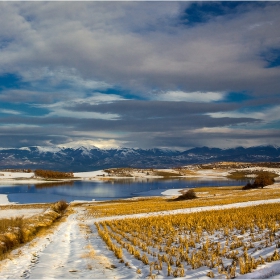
[12, 127]
[99, 143]
[62, 76]
[60, 109]
[190, 96]
[10, 112]
[224, 130]
[59, 112]
[267, 115]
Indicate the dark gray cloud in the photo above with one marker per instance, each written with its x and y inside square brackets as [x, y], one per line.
[154, 109]
[140, 123]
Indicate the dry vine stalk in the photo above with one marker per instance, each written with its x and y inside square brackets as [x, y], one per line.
[189, 241]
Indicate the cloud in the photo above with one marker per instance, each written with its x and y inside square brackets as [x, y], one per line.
[83, 115]
[98, 142]
[191, 96]
[149, 109]
[140, 73]
[139, 123]
[9, 112]
[142, 45]
[60, 109]
[267, 115]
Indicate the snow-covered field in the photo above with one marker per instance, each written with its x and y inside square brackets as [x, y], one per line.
[75, 250]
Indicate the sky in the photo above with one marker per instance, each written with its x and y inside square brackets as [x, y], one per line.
[166, 74]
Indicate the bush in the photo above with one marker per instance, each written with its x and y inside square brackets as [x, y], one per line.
[49, 174]
[249, 186]
[60, 206]
[262, 180]
[190, 194]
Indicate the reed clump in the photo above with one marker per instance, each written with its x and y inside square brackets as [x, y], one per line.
[189, 194]
[19, 230]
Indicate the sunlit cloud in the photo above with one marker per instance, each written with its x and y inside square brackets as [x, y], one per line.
[98, 142]
[190, 96]
[59, 109]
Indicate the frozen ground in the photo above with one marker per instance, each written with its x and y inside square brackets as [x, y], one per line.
[75, 250]
[12, 213]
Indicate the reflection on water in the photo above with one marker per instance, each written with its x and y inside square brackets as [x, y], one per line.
[163, 179]
[99, 190]
[52, 185]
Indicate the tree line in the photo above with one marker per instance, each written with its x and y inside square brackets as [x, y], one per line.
[53, 174]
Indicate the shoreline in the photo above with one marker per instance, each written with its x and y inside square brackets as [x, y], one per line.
[4, 200]
[115, 174]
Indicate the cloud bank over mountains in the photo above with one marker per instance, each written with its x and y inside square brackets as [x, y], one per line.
[140, 74]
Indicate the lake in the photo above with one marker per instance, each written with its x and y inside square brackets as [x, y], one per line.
[94, 190]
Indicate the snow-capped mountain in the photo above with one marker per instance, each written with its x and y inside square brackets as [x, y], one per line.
[88, 157]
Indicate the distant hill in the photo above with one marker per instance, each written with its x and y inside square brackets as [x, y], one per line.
[87, 158]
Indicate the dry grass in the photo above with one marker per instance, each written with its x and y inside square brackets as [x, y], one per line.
[243, 174]
[17, 231]
[187, 172]
[207, 196]
[189, 241]
[90, 254]
[166, 174]
[26, 206]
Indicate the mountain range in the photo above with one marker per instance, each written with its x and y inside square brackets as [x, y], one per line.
[89, 158]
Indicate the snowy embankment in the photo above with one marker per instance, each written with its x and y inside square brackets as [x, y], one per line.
[21, 178]
[14, 178]
[4, 199]
[75, 250]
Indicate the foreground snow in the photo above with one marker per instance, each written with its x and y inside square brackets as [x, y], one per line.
[66, 254]
[75, 250]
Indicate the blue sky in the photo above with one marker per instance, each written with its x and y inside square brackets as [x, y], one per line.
[140, 74]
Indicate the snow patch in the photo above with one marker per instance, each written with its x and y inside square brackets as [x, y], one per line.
[4, 199]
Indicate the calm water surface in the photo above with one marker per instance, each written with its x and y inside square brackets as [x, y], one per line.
[89, 190]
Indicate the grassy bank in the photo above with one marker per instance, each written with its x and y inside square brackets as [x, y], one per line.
[17, 231]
